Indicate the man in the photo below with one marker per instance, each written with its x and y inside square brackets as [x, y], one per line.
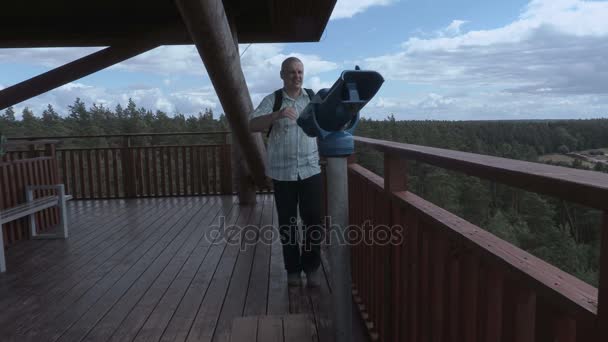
[294, 168]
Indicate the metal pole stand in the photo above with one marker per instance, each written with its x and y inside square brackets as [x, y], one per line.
[339, 249]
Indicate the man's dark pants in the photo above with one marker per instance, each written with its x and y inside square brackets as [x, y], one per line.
[307, 194]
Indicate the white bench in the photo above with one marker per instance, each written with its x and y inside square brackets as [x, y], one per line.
[33, 206]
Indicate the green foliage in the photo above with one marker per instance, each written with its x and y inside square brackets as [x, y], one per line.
[564, 235]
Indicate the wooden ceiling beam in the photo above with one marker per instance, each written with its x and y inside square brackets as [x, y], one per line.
[71, 72]
[209, 28]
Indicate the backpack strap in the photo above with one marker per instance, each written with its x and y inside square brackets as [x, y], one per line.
[278, 101]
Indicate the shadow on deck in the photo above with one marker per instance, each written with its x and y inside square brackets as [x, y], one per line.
[152, 270]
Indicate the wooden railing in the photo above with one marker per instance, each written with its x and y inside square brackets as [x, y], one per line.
[124, 170]
[449, 280]
[27, 165]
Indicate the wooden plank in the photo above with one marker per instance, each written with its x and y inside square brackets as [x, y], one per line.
[170, 157]
[152, 313]
[61, 277]
[298, 328]
[90, 173]
[438, 315]
[81, 174]
[581, 186]
[117, 181]
[199, 308]
[278, 299]
[155, 167]
[245, 329]
[494, 314]
[98, 168]
[258, 290]
[322, 304]
[178, 181]
[163, 167]
[88, 266]
[234, 304]
[19, 176]
[89, 308]
[602, 310]
[104, 232]
[400, 270]
[205, 168]
[270, 329]
[470, 288]
[565, 330]
[212, 169]
[148, 288]
[425, 291]
[138, 179]
[455, 302]
[147, 171]
[107, 174]
[525, 316]
[194, 171]
[186, 185]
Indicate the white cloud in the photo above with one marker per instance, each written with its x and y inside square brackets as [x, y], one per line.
[189, 101]
[262, 63]
[554, 50]
[316, 84]
[166, 60]
[453, 28]
[349, 8]
[46, 57]
[486, 106]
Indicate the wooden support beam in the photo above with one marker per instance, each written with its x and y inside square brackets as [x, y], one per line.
[210, 30]
[71, 72]
[246, 189]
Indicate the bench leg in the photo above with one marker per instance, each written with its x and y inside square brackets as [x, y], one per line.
[29, 196]
[2, 258]
[62, 229]
[63, 214]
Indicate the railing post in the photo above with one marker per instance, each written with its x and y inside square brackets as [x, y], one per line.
[128, 168]
[32, 151]
[395, 179]
[602, 307]
[226, 165]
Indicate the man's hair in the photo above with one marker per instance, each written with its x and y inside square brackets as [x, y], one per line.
[288, 61]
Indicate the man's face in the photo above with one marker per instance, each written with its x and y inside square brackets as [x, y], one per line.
[292, 75]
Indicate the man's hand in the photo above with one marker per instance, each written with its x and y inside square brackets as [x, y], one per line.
[287, 112]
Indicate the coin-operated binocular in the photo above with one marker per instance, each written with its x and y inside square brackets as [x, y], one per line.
[333, 114]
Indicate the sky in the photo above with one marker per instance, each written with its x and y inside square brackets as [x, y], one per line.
[441, 60]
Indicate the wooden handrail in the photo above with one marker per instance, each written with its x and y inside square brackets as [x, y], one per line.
[407, 289]
[536, 285]
[118, 135]
[581, 186]
[19, 142]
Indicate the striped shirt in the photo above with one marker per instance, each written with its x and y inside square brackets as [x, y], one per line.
[291, 153]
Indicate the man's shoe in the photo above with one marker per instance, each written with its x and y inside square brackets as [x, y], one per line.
[313, 279]
[294, 279]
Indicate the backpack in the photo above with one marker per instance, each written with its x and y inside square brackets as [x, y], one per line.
[278, 101]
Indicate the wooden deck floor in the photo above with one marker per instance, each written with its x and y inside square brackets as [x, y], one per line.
[153, 270]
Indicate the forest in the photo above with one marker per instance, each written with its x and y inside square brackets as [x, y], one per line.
[564, 234]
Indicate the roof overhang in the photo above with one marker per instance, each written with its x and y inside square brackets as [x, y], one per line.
[44, 23]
